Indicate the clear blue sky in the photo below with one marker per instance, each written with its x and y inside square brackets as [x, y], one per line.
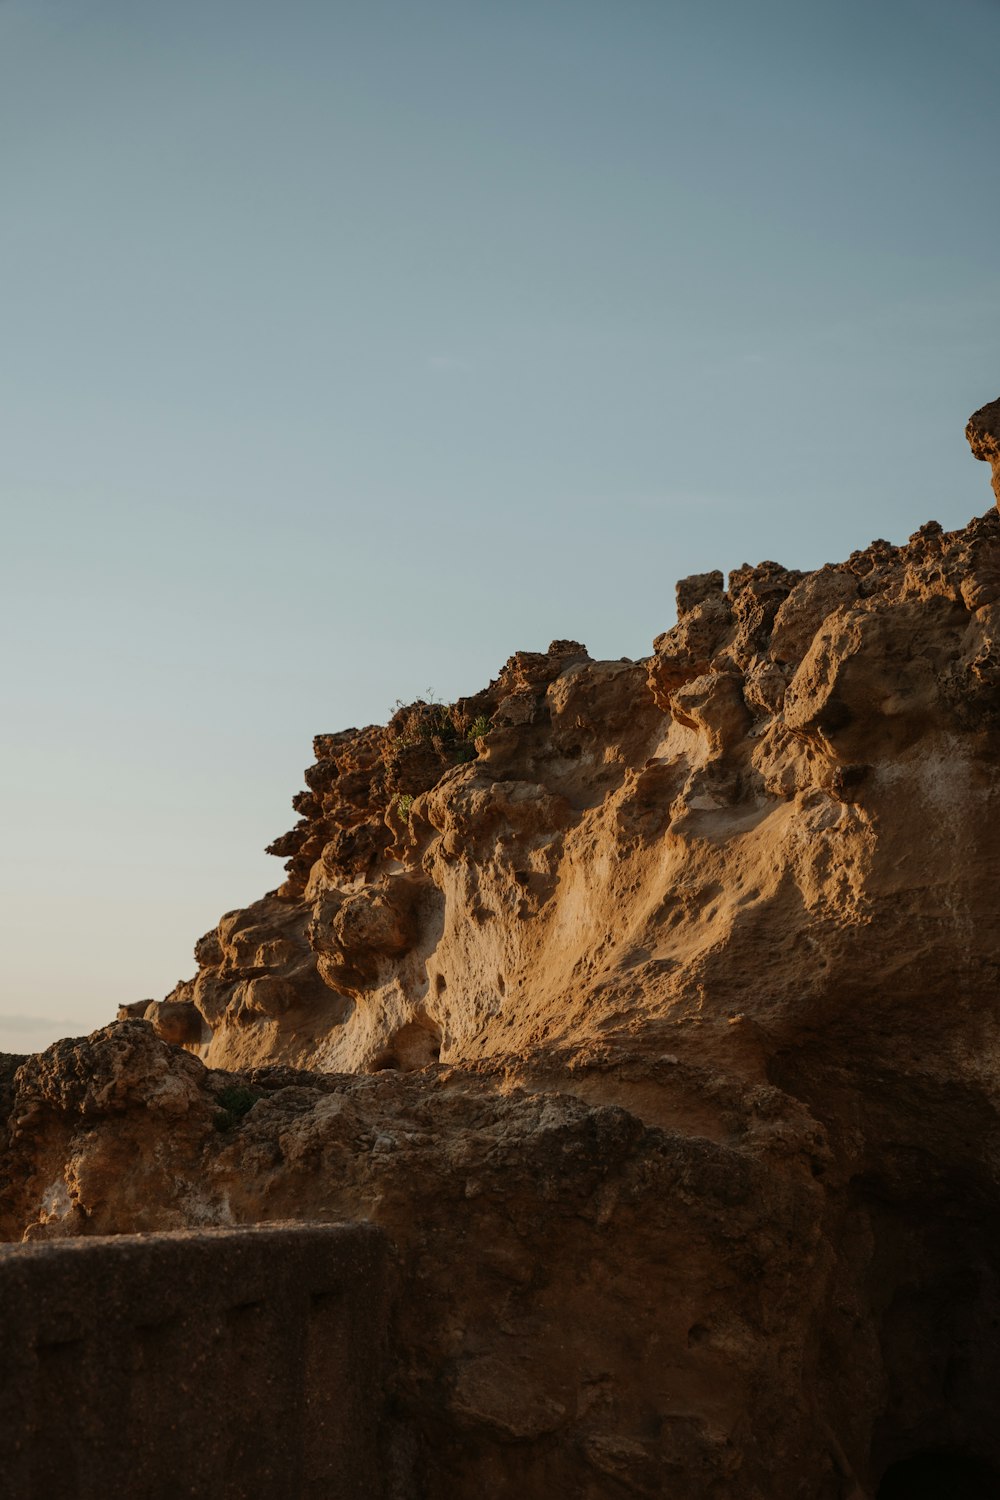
[347, 347]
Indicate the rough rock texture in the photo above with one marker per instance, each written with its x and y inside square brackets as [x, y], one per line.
[142, 1365]
[652, 1011]
[983, 432]
[797, 784]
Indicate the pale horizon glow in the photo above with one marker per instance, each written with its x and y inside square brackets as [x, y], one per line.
[347, 349]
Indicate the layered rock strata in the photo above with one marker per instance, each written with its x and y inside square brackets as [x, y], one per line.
[651, 1008]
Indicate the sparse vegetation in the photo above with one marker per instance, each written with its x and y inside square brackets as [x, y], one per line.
[427, 720]
[235, 1101]
[446, 728]
[403, 804]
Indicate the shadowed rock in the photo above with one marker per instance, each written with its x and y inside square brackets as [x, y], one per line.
[983, 433]
[204, 1363]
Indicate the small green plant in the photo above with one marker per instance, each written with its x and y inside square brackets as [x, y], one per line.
[478, 728]
[403, 805]
[427, 721]
[235, 1102]
[439, 724]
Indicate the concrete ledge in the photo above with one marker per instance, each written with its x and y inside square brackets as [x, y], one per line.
[222, 1363]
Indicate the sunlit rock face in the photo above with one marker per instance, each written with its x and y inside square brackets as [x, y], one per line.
[796, 785]
[651, 1007]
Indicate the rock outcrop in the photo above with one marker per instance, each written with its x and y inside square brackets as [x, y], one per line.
[651, 1008]
[983, 433]
[795, 785]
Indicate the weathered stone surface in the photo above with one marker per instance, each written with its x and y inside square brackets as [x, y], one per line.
[696, 589]
[204, 1363]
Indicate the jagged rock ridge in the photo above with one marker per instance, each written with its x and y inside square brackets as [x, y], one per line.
[612, 829]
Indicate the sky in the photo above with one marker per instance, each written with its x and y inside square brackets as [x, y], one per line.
[347, 348]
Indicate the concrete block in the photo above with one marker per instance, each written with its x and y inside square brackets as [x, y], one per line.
[222, 1363]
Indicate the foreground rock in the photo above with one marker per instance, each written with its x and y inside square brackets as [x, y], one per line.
[574, 1314]
[651, 1008]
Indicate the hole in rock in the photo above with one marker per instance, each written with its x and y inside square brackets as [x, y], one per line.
[939, 1476]
[415, 1045]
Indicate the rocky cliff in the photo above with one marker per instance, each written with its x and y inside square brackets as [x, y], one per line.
[652, 1008]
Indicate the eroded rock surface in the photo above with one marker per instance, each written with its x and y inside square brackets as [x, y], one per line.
[983, 433]
[651, 1008]
[799, 778]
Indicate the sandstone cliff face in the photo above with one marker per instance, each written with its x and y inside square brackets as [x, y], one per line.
[787, 808]
[651, 1008]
